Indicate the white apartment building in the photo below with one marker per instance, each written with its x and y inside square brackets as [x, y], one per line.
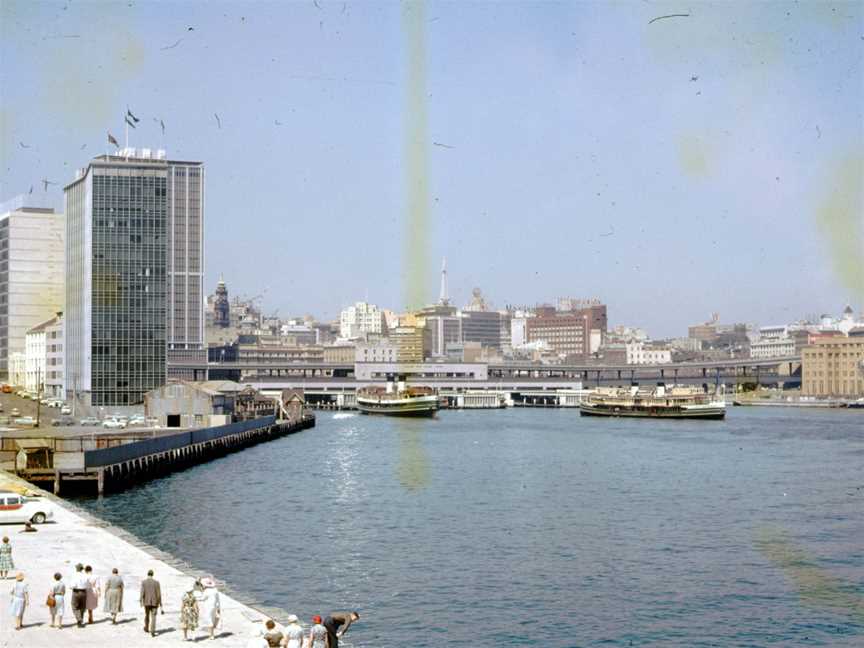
[35, 355]
[31, 271]
[17, 364]
[360, 319]
[381, 351]
[642, 353]
[55, 384]
[770, 347]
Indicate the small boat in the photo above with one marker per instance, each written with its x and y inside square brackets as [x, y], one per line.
[660, 402]
[397, 399]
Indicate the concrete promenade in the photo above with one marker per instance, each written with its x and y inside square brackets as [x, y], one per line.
[73, 538]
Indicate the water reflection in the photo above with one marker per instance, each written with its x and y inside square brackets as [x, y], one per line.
[413, 468]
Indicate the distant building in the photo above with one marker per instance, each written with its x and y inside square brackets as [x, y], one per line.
[360, 319]
[385, 350]
[568, 333]
[483, 327]
[221, 306]
[833, 367]
[639, 352]
[409, 342]
[34, 357]
[298, 334]
[31, 271]
[55, 383]
[773, 342]
[339, 353]
[17, 368]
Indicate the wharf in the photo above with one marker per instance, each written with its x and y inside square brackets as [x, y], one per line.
[74, 537]
[101, 461]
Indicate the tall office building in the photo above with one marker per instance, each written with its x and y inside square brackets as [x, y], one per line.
[134, 267]
[31, 271]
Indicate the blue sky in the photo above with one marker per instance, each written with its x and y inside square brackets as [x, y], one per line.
[696, 164]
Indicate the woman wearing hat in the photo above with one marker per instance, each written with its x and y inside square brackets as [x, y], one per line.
[20, 599]
[209, 607]
[189, 612]
[317, 633]
[293, 632]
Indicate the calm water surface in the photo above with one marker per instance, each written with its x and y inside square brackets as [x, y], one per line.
[536, 527]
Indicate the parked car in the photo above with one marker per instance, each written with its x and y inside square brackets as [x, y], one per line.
[63, 420]
[89, 420]
[138, 419]
[114, 424]
[6, 388]
[15, 508]
[15, 412]
[24, 420]
[65, 410]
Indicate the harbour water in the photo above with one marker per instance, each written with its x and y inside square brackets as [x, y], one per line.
[536, 527]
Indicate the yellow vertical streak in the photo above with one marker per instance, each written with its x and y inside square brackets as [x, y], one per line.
[416, 146]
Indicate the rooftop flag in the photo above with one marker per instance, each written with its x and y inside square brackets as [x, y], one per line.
[113, 141]
[130, 122]
[129, 114]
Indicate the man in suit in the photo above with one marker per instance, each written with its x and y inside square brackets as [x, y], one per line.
[79, 594]
[151, 599]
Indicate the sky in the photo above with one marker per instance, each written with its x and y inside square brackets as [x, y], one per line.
[673, 168]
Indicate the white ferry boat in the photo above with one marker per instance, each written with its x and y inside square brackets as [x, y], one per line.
[397, 399]
[660, 402]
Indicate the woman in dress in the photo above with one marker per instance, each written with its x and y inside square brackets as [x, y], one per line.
[20, 599]
[6, 564]
[59, 592]
[317, 633]
[189, 612]
[114, 595]
[293, 632]
[93, 592]
[209, 608]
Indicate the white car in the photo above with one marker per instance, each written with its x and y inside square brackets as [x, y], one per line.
[114, 424]
[16, 508]
[137, 420]
[65, 410]
[25, 420]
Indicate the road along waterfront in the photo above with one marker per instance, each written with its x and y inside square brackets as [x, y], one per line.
[75, 536]
[536, 527]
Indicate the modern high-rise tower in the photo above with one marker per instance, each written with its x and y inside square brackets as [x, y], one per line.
[134, 268]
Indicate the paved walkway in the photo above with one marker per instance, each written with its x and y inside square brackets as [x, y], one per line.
[73, 538]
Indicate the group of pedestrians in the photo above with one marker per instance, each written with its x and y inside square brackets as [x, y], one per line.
[200, 607]
[323, 633]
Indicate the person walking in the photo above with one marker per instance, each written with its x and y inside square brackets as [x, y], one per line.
[293, 632]
[209, 605]
[189, 612]
[58, 594]
[6, 562]
[114, 595]
[334, 622]
[93, 592]
[317, 634]
[79, 594]
[20, 599]
[150, 600]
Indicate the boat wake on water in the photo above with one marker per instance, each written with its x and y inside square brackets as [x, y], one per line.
[343, 415]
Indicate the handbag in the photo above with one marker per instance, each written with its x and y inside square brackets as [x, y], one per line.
[51, 602]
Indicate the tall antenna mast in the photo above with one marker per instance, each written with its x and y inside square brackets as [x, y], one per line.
[443, 299]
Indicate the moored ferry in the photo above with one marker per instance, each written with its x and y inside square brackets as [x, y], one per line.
[397, 399]
[659, 402]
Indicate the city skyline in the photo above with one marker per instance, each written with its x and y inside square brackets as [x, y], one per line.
[675, 168]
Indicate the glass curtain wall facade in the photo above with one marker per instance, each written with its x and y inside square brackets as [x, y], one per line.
[117, 286]
[187, 354]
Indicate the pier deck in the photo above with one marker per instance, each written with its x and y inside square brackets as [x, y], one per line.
[104, 460]
[76, 537]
